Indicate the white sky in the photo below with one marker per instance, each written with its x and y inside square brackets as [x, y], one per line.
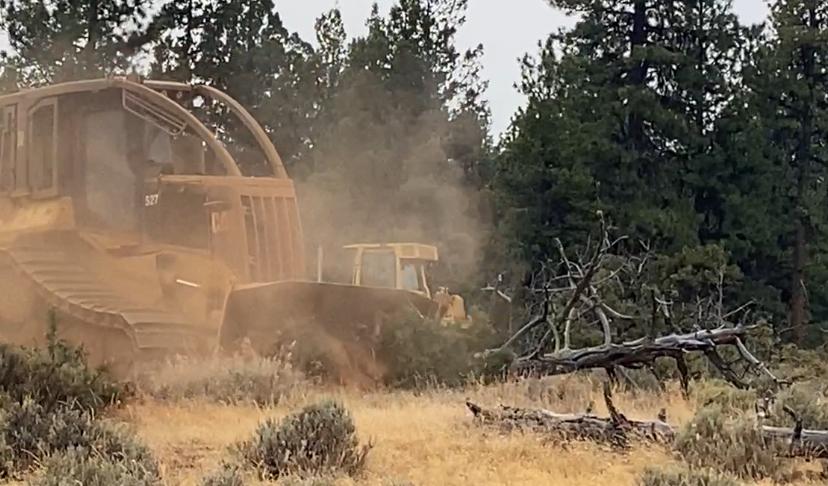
[508, 29]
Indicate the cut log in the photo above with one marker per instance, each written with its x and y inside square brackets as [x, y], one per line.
[563, 426]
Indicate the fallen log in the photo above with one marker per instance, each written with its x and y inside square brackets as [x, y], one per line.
[615, 429]
[811, 444]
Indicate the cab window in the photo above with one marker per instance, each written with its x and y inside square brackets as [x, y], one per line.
[411, 276]
[378, 269]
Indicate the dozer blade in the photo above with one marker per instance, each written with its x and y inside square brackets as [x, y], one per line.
[334, 323]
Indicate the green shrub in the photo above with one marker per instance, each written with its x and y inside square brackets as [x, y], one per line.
[83, 466]
[319, 439]
[420, 352]
[262, 381]
[54, 377]
[308, 481]
[724, 395]
[716, 439]
[684, 477]
[806, 400]
[797, 364]
[398, 482]
[228, 475]
[29, 433]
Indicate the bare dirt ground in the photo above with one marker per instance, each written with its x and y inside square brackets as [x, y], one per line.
[419, 439]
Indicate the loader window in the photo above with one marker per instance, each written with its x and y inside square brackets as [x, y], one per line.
[379, 269]
[411, 276]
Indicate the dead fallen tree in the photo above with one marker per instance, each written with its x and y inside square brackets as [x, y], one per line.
[643, 352]
[617, 430]
[574, 293]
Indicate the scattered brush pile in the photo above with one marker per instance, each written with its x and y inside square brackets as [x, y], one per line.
[264, 381]
[49, 404]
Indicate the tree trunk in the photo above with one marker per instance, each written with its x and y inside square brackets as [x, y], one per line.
[91, 35]
[798, 304]
[639, 39]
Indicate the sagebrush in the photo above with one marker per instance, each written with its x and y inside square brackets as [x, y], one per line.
[226, 475]
[319, 439]
[30, 433]
[89, 467]
[685, 477]
[717, 439]
[55, 376]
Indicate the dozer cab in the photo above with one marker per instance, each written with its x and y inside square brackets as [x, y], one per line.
[125, 214]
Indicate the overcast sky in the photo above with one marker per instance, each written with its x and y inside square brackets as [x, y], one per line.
[507, 29]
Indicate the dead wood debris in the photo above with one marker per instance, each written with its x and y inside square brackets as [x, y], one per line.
[618, 431]
[575, 293]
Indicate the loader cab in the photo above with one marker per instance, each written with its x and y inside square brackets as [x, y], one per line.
[401, 266]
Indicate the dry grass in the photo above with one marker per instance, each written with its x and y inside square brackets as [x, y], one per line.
[423, 438]
[426, 439]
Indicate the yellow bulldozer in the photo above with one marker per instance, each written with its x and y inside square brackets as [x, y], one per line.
[122, 212]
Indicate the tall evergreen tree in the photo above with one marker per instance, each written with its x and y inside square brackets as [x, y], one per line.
[792, 96]
[180, 27]
[626, 114]
[60, 40]
[243, 48]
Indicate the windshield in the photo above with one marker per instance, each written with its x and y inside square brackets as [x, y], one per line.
[378, 269]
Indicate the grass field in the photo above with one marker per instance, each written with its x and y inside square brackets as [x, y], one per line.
[420, 439]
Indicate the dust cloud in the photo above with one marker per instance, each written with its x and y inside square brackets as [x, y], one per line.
[389, 177]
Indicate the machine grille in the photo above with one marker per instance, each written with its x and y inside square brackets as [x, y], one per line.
[271, 245]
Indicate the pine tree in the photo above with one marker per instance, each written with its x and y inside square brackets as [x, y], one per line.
[180, 25]
[626, 115]
[243, 48]
[792, 91]
[60, 40]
